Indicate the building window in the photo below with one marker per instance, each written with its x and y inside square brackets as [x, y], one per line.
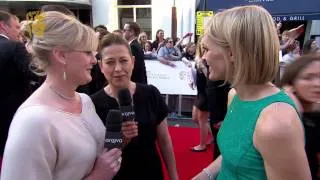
[136, 11]
[125, 15]
[136, 2]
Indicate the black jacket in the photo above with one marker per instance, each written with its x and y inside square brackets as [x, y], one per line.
[139, 74]
[15, 78]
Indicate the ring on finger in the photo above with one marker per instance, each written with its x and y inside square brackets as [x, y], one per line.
[119, 160]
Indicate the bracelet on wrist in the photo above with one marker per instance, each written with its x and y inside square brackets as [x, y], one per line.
[210, 175]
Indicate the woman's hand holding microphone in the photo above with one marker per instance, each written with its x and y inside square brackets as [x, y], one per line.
[129, 130]
[106, 166]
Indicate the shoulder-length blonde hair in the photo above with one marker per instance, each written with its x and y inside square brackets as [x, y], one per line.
[249, 33]
[199, 62]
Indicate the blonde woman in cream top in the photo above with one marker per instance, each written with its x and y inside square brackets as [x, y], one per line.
[56, 134]
[48, 143]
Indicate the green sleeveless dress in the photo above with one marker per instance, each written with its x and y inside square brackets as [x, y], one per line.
[241, 160]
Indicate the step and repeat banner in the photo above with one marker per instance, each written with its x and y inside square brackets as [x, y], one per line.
[170, 80]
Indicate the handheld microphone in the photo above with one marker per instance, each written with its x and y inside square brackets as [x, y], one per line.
[126, 107]
[114, 137]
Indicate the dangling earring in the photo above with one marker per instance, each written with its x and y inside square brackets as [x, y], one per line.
[64, 75]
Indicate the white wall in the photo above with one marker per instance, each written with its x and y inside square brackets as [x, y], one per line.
[105, 12]
[315, 30]
[185, 17]
[161, 17]
[315, 27]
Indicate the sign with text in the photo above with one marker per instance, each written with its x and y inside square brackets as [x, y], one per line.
[288, 10]
[297, 17]
[170, 80]
[202, 19]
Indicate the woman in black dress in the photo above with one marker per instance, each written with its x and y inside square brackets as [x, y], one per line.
[302, 78]
[200, 112]
[140, 157]
[157, 44]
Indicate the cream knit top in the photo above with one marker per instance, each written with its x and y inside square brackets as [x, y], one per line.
[49, 144]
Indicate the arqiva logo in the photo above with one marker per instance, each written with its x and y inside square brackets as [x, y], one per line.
[113, 141]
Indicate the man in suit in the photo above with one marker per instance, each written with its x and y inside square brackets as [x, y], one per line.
[131, 31]
[15, 75]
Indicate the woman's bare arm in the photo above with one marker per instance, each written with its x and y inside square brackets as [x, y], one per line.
[279, 137]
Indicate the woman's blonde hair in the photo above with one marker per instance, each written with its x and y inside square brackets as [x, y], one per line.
[140, 36]
[199, 62]
[53, 29]
[249, 33]
[25, 29]
[199, 51]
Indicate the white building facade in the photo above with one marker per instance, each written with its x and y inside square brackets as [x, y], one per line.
[81, 8]
[151, 15]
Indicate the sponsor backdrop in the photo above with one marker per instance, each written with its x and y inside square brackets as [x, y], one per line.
[170, 80]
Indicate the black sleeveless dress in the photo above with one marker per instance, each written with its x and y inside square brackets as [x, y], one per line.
[201, 101]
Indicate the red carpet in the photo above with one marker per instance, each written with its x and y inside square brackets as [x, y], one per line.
[188, 163]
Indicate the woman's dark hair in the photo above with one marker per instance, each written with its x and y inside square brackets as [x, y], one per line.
[293, 70]
[157, 38]
[102, 31]
[113, 39]
[100, 27]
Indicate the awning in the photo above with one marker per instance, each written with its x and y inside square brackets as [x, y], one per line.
[85, 2]
[36, 4]
[281, 10]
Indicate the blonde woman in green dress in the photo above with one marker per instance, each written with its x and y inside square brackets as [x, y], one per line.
[262, 136]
